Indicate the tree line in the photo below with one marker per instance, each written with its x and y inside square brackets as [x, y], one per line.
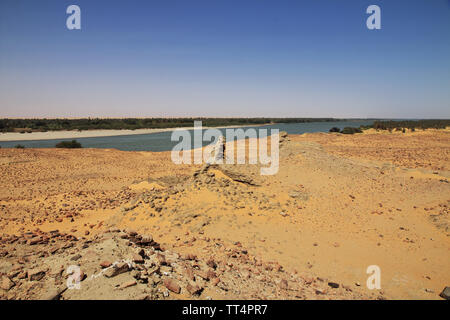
[411, 124]
[42, 125]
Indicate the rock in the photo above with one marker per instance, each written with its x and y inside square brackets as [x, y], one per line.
[202, 274]
[211, 274]
[211, 263]
[166, 270]
[131, 232]
[117, 269]
[34, 240]
[284, 284]
[54, 294]
[334, 285]
[7, 283]
[161, 259]
[215, 281]
[128, 284]
[138, 258]
[172, 286]
[294, 194]
[76, 257]
[320, 291]
[189, 256]
[105, 264]
[53, 250]
[36, 274]
[146, 239]
[189, 273]
[283, 214]
[193, 289]
[445, 294]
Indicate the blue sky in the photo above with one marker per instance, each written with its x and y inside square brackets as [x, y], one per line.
[283, 58]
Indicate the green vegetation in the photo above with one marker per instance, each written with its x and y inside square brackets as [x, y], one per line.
[29, 125]
[68, 144]
[19, 146]
[397, 126]
[410, 124]
[351, 130]
[346, 130]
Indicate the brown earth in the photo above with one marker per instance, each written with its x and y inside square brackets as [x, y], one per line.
[338, 204]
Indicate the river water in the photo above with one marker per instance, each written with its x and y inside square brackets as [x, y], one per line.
[161, 141]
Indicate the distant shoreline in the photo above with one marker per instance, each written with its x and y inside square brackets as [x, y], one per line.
[75, 134]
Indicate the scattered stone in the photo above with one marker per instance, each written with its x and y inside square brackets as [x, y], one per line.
[190, 256]
[131, 232]
[161, 259]
[138, 258]
[146, 239]
[172, 285]
[193, 289]
[284, 284]
[117, 269]
[76, 257]
[128, 284]
[54, 294]
[105, 264]
[7, 283]
[189, 273]
[211, 263]
[215, 281]
[36, 274]
[445, 294]
[333, 285]
[34, 240]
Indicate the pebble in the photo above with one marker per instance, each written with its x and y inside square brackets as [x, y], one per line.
[128, 284]
[333, 285]
[117, 269]
[36, 274]
[445, 294]
[7, 283]
[105, 264]
[172, 285]
[193, 289]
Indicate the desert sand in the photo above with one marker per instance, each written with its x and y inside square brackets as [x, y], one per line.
[338, 204]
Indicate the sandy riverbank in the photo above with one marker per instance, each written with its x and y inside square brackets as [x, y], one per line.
[338, 204]
[51, 135]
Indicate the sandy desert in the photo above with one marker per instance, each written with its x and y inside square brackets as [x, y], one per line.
[140, 227]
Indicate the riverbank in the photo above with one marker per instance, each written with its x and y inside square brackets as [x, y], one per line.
[54, 135]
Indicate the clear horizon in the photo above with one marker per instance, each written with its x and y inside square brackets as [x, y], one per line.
[227, 59]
